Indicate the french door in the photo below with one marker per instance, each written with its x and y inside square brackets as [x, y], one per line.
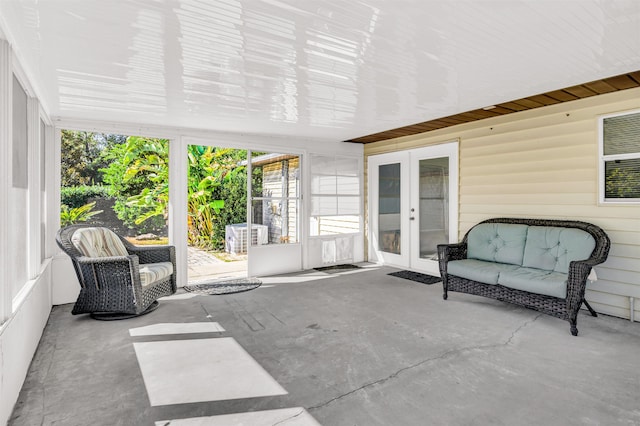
[413, 206]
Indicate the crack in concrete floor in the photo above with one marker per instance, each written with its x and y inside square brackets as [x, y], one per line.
[425, 361]
[289, 418]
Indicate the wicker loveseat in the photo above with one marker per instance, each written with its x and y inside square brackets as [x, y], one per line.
[539, 264]
[117, 279]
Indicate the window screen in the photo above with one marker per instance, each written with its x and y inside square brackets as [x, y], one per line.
[335, 195]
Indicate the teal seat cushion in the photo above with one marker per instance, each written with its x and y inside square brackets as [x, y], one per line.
[553, 248]
[535, 281]
[478, 270]
[497, 242]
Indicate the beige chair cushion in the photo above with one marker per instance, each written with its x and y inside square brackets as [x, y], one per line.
[98, 242]
[152, 272]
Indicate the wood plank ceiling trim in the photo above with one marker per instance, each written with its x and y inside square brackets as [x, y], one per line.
[594, 88]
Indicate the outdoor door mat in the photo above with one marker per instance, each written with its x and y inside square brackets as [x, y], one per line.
[333, 269]
[218, 287]
[416, 276]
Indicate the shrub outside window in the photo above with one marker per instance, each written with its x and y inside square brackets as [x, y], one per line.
[620, 158]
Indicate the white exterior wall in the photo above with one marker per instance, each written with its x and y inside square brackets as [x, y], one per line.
[544, 163]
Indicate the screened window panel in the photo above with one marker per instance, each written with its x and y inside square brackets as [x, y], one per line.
[324, 206]
[322, 165]
[347, 185]
[347, 166]
[622, 179]
[275, 192]
[335, 195]
[621, 134]
[331, 225]
[18, 194]
[20, 170]
[323, 184]
[348, 205]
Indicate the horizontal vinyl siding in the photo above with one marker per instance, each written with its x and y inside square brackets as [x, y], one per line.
[339, 225]
[544, 163]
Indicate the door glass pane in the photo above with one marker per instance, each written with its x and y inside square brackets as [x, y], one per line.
[434, 205]
[389, 208]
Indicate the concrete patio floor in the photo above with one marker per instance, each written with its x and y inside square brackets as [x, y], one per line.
[353, 348]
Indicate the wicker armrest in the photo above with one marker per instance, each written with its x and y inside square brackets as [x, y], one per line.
[447, 252]
[577, 280]
[153, 254]
[105, 260]
[103, 272]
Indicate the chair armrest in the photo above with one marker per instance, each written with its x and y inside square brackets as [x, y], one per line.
[577, 279]
[104, 272]
[105, 260]
[447, 252]
[154, 254]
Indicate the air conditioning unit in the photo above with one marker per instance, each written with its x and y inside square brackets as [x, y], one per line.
[236, 238]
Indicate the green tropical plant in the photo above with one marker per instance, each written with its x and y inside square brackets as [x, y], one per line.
[213, 193]
[73, 215]
[138, 173]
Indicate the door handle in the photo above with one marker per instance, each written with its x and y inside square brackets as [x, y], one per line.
[412, 218]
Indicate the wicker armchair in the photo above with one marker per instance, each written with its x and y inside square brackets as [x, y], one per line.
[118, 279]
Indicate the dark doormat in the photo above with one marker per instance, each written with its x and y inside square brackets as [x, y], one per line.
[416, 276]
[223, 287]
[337, 268]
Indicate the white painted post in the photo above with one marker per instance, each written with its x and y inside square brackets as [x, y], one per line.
[178, 163]
[631, 309]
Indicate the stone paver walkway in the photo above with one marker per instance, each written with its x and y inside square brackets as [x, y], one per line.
[202, 265]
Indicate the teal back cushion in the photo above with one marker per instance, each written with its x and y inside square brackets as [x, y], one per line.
[552, 248]
[497, 242]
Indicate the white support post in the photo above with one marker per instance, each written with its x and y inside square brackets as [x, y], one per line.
[6, 106]
[178, 164]
[249, 210]
[34, 209]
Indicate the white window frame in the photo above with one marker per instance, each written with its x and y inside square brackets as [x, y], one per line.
[602, 159]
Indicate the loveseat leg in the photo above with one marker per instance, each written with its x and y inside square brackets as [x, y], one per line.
[574, 328]
[593, 312]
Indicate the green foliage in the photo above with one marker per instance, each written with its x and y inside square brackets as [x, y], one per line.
[138, 172]
[622, 182]
[77, 196]
[217, 194]
[135, 171]
[69, 216]
[82, 159]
